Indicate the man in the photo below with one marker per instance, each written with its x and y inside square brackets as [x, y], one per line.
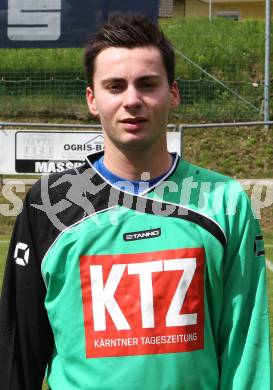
[154, 277]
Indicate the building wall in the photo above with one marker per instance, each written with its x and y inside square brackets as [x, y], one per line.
[251, 10]
[198, 8]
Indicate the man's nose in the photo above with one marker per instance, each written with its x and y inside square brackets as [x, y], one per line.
[132, 98]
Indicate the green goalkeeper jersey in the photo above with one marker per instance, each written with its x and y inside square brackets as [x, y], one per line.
[156, 291]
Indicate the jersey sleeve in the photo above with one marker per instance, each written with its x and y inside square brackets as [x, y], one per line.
[26, 339]
[244, 337]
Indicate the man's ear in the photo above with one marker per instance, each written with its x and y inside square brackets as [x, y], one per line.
[91, 102]
[175, 95]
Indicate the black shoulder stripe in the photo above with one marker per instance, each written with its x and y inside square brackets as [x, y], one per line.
[156, 207]
[208, 224]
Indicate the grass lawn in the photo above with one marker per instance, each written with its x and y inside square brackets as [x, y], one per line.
[3, 254]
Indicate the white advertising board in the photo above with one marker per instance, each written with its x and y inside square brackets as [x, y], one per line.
[42, 152]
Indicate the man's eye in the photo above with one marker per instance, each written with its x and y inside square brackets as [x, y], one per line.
[115, 88]
[148, 86]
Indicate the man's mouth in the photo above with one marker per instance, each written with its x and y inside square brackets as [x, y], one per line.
[134, 120]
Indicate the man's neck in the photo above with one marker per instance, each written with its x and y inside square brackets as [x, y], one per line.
[131, 164]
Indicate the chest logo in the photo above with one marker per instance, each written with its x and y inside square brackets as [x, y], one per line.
[133, 236]
[144, 303]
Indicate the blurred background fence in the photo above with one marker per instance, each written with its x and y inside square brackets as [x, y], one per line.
[220, 74]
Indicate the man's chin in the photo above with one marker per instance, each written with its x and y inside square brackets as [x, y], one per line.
[134, 143]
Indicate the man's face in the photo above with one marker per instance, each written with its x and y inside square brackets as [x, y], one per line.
[132, 97]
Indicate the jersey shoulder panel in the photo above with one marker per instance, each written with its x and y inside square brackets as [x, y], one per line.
[203, 174]
[214, 195]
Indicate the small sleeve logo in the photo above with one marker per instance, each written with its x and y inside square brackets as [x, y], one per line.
[259, 246]
[21, 254]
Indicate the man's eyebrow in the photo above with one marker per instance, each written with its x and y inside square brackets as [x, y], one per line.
[112, 80]
[121, 80]
[149, 77]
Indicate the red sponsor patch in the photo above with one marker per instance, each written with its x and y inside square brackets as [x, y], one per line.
[144, 303]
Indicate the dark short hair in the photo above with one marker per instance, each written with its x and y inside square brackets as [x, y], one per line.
[128, 31]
